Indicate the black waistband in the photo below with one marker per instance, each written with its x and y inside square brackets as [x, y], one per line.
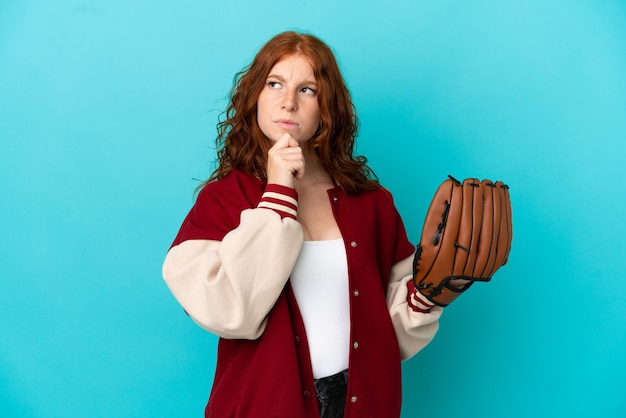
[332, 383]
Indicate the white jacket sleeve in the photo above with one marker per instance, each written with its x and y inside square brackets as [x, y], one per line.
[416, 323]
[229, 287]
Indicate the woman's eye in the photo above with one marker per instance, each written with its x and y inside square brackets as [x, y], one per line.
[273, 84]
[308, 90]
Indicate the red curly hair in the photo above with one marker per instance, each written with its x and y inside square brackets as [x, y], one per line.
[242, 146]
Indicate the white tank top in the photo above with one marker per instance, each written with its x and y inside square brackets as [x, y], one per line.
[320, 283]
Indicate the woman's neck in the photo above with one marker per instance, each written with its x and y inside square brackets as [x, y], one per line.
[314, 173]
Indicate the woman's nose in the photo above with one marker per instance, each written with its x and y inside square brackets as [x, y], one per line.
[289, 102]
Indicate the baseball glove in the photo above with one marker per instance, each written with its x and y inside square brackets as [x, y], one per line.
[466, 237]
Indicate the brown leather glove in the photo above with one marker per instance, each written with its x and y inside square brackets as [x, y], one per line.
[466, 237]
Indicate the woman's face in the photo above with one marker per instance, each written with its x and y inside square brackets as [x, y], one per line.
[288, 101]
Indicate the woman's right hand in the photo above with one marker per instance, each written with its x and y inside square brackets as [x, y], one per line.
[285, 161]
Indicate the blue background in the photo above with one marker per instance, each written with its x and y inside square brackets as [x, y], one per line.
[107, 115]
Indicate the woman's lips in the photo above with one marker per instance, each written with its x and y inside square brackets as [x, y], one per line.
[286, 124]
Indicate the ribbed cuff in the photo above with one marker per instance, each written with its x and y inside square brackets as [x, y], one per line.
[281, 199]
[416, 300]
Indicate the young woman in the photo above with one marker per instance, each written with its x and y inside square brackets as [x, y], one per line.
[295, 255]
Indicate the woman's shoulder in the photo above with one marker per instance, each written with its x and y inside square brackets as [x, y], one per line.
[236, 186]
[377, 194]
[232, 181]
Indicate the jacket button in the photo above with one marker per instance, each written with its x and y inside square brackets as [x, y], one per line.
[353, 399]
[356, 344]
[335, 199]
[297, 339]
[306, 394]
[353, 243]
[356, 293]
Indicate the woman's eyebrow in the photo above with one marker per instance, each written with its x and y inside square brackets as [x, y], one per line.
[280, 78]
